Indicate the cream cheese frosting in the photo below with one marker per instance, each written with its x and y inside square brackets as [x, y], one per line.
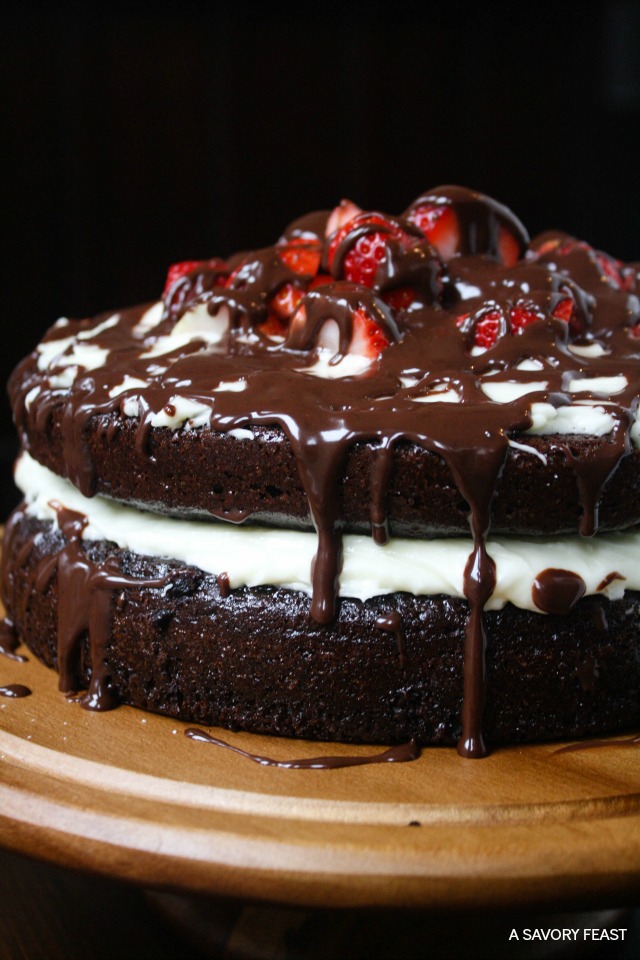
[260, 556]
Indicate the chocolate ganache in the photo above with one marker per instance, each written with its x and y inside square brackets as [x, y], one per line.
[441, 343]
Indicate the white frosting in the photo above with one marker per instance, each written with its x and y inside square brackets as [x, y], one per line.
[507, 390]
[94, 331]
[608, 386]
[181, 410]
[581, 419]
[129, 383]
[255, 556]
[149, 319]
[590, 350]
[530, 364]
[68, 352]
[195, 324]
[31, 396]
[349, 365]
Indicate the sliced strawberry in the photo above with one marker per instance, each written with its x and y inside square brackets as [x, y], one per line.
[368, 239]
[286, 300]
[179, 270]
[365, 224]
[302, 256]
[521, 315]
[362, 261]
[321, 281]
[368, 339]
[492, 321]
[399, 299]
[508, 247]
[273, 327]
[343, 213]
[439, 224]
[487, 328]
[563, 310]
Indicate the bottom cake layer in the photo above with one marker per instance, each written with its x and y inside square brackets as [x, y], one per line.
[173, 639]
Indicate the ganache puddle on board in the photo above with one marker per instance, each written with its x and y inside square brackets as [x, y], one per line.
[402, 753]
[599, 745]
[15, 691]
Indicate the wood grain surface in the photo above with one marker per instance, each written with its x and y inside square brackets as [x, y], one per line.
[127, 795]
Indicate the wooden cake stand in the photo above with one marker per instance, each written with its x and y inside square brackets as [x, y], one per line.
[126, 794]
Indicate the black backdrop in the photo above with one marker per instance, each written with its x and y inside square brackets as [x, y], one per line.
[133, 136]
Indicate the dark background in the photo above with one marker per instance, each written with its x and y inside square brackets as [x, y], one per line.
[134, 136]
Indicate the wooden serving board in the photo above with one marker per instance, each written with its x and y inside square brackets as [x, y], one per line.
[126, 794]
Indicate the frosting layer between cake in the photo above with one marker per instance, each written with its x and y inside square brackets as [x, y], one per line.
[257, 556]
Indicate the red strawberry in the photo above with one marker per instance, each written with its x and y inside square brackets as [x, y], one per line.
[321, 281]
[487, 328]
[179, 270]
[521, 315]
[362, 261]
[491, 322]
[343, 213]
[399, 299]
[301, 256]
[367, 339]
[508, 247]
[439, 224]
[371, 235]
[563, 310]
[365, 225]
[286, 300]
[273, 327]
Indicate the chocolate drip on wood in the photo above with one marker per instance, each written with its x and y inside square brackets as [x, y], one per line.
[15, 691]
[600, 745]
[403, 753]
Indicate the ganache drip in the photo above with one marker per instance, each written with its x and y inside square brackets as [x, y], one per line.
[348, 331]
[402, 753]
[85, 591]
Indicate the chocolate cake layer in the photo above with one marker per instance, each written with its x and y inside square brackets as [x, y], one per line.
[384, 670]
[208, 473]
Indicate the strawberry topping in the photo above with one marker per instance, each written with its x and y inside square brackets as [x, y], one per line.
[492, 321]
[302, 256]
[179, 270]
[439, 224]
[367, 339]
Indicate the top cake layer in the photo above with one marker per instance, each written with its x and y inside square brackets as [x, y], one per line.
[430, 374]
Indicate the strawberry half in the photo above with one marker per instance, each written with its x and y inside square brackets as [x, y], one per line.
[491, 322]
[342, 320]
[555, 248]
[286, 300]
[439, 223]
[302, 256]
[179, 270]
[343, 213]
[368, 339]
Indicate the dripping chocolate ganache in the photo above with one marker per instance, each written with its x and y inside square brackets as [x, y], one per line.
[377, 482]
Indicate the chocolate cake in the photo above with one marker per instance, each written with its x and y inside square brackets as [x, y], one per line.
[376, 482]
